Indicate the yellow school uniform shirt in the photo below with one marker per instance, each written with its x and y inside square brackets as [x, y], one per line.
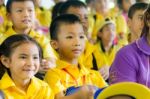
[103, 58]
[67, 75]
[36, 90]
[41, 39]
[86, 57]
[44, 16]
[4, 24]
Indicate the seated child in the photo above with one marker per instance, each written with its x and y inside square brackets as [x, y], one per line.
[21, 57]
[22, 15]
[105, 47]
[68, 39]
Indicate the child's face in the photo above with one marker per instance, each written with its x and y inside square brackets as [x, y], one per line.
[71, 41]
[126, 4]
[136, 23]
[22, 14]
[108, 33]
[101, 5]
[82, 13]
[24, 61]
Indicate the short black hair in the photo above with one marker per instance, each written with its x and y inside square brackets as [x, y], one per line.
[135, 7]
[10, 2]
[56, 9]
[59, 20]
[71, 3]
[119, 3]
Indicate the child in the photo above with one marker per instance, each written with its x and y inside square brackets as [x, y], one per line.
[79, 9]
[68, 39]
[105, 48]
[22, 15]
[135, 20]
[124, 6]
[21, 56]
[132, 62]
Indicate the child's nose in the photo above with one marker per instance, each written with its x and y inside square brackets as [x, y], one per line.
[77, 42]
[26, 13]
[30, 62]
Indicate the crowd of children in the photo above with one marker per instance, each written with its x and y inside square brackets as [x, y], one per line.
[87, 46]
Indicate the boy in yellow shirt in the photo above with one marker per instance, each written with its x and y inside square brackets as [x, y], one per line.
[20, 58]
[22, 15]
[68, 39]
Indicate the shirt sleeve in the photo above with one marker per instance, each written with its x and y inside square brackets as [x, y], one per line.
[123, 68]
[53, 78]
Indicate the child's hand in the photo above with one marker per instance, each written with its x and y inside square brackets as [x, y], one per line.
[47, 64]
[85, 93]
[104, 71]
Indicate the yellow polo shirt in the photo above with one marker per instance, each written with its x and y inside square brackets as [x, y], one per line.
[104, 58]
[4, 22]
[67, 75]
[41, 39]
[44, 16]
[36, 90]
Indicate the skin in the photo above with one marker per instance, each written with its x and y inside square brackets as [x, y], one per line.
[22, 15]
[70, 43]
[136, 24]
[82, 13]
[101, 6]
[24, 60]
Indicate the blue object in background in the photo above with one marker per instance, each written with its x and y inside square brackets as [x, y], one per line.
[73, 89]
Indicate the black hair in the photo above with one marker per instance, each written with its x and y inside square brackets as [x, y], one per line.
[146, 28]
[121, 95]
[119, 3]
[89, 1]
[56, 9]
[8, 46]
[135, 7]
[72, 3]
[59, 20]
[10, 2]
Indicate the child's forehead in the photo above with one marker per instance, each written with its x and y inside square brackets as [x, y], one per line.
[26, 3]
[139, 12]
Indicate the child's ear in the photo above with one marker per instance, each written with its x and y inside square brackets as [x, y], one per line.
[5, 61]
[9, 16]
[54, 44]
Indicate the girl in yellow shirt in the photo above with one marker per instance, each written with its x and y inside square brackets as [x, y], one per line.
[21, 57]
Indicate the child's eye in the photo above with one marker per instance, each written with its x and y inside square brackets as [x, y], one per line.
[23, 57]
[69, 37]
[19, 10]
[82, 37]
[35, 57]
[30, 10]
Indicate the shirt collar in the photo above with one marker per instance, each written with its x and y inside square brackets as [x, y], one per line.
[143, 45]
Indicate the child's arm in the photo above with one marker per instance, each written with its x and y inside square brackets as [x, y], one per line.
[84, 93]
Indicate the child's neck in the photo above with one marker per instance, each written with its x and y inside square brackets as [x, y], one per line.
[22, 31]
[107, 45]
[71, 61]
[21, 84]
